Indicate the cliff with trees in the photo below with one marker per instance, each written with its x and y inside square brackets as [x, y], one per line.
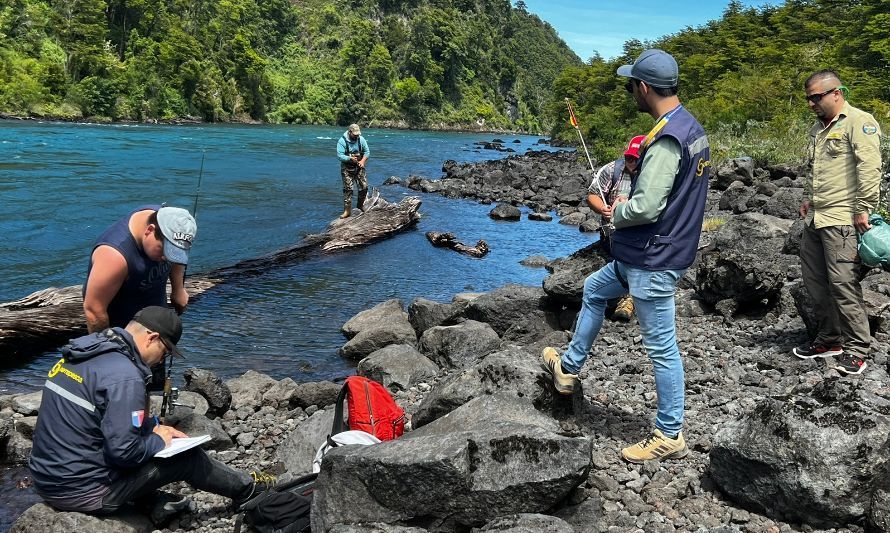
[439, 63]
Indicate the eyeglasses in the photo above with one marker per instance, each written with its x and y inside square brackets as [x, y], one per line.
[629, 86]
[168, 352]
[815, 98]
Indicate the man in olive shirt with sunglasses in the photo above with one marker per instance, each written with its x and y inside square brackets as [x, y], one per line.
[843, 188]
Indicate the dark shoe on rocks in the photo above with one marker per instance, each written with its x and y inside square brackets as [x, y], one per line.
[850, 364]
[261, 482]
[563, 382]
[812, 351]
[167, 506]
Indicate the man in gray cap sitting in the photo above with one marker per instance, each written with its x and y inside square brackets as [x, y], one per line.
[131, 263]
[656, 239]
[353, 152]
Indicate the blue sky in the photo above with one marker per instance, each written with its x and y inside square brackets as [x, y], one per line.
[605, 25]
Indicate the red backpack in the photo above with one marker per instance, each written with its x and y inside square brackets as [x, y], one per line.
[371, 409]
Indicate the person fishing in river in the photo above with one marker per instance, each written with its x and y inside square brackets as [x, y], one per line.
[613, 180]
[353, 153]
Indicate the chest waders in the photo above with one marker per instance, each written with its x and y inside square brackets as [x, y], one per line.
[351, 171]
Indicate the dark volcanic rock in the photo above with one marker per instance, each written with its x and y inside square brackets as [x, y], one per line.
[744, 266]
[565, 284]
[397, 367]
[527, 523]
[506, 306]
[211, 387]
[492, 457]
[459, 345]
[318, 393]
[424, 314]
[505, 212]
[541, 217]
[511, 371]
[41, 517]
[738, 169]
[809, 456]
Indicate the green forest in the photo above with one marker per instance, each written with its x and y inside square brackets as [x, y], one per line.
[428, 63]
[464, 64]
[742, 76]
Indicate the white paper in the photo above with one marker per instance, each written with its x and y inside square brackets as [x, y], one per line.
[181, 445]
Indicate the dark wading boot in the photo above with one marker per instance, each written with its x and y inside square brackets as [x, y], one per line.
[362, 196]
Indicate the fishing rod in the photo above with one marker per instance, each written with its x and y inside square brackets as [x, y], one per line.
[171, 393]
[198, 190]
[574, 120]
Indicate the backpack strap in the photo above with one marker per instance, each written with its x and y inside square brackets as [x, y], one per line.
[338, 426]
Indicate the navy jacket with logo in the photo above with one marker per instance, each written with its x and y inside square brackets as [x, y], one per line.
[671, 242]
[91, 428]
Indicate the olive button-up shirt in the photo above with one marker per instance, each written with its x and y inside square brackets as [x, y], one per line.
[845, 167]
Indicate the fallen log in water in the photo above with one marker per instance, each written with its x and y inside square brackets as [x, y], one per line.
[448, 240]
[46, 319]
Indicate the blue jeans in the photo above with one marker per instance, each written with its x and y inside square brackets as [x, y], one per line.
[653, 295]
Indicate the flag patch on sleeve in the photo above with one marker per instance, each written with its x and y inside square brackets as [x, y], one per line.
[137, 417]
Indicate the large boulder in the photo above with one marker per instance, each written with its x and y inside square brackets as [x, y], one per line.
[247, 390]
[318, 393]
[27, 404]
[297, 450]
[196, 425]
[565, 284]
[511, 371]
[397, 367]
[493, 457]
[370, 340]
[459, 345]
[527, 523]
[785, 203]
[507, 305]
[424, 314]
[735, 197]
[368, 331]
[379, 315]
[43, 518]
[744, 265]
[505, 212]
[738, 169]
[810, 456]
[211, 387]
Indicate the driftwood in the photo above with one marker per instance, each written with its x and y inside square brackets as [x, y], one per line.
[448, 240]
[47, 319]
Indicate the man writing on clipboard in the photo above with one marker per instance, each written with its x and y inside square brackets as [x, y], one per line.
[94, 445]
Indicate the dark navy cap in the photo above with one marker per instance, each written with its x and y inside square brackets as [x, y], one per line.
[656, 67]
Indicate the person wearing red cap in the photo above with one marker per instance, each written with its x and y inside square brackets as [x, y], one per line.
[614, 181]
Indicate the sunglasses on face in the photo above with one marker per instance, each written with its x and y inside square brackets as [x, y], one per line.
[815, 98]
[629, 86]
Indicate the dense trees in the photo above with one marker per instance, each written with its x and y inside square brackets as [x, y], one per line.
[743, 76]
[424, 63]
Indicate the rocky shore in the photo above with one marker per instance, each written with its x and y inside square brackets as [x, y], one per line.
[777, 443]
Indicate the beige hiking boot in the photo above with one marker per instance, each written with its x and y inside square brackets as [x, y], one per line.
[563, 383]
[624, 310]
[656, 446]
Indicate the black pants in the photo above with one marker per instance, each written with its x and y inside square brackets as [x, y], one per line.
[192, 466]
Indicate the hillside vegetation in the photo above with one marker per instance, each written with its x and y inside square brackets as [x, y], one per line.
[426, 63]
[743, 77]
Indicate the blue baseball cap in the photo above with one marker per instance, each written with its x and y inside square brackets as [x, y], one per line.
[656, 67]
[179, 229]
